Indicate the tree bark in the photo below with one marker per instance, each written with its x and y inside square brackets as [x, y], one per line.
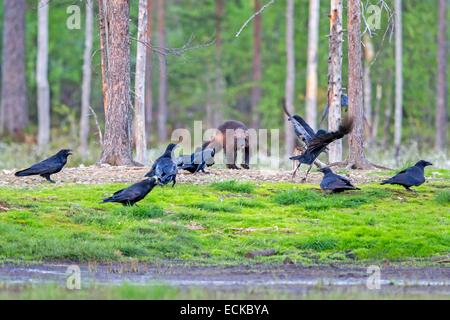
[148, 72]
[398, 78]
[219, 80]
[335, 77]
[290, 77]
[116, 144]
[311, 73]
[441, 99]
[139, 135]
[162, 102]
[103, 28]
[43, 89]
[86, 85]
[14, 111]
[357, 158]
[257, 72]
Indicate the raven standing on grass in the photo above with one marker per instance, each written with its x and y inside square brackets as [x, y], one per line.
[47, 167]
[135, 193]
[411, 177]
[335, 182]
[164, 169]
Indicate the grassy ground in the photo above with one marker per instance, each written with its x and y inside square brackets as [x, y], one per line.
[221, 223]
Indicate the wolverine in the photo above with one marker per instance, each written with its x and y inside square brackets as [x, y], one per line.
[231, 136]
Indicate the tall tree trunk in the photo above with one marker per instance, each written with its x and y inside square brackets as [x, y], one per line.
[257, 73]
[290, 77]
[86, 86]
[148, 72]
[357, 158]
[43, 89]
[103, 28]
[116, 144]
[311, 73]
[219, 80]
[387, 113]
[335, 77]
[441, 99]
[14, 111]
[398, 78]
[140, 139]
[368, 57]
[162, 103]
[376, 113]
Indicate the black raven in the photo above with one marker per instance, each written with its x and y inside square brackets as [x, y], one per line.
[302, 129]
[47, 167]
[410, 177]
[135, 193]
[319, 143]
[335, 182]
[165, 168]
[197, 161]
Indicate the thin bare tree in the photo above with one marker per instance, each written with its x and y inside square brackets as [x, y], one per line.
[335, 77]
[398, 78]
[13, 109]
[367, 78]
[43, 89]
[357, 158]
[290, 77]
[219, 80]
[114, 20]
[311, 69]
[257, 72]
[441, 100]
[87, 76]
[162, 94]
[148, 72]
[139, 134]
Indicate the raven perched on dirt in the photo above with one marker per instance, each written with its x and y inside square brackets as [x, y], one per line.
[197, 161]
[335, 182]
[165, 169]
[319, 143]
[410, 177]
[47, 167]
[135, 193]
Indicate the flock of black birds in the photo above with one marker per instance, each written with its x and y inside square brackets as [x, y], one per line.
[165, 168]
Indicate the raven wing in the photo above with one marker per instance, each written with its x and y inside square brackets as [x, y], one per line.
[321, 141]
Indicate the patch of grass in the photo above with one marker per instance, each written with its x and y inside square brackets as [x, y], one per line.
[208, 225]
[234, 186]
[443, 197]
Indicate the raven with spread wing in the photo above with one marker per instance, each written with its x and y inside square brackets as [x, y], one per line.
[47, 167]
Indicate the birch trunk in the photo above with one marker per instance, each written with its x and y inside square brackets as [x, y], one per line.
[311, 82]
[441, 101]
[398, 78]
[14, 112]
[290, 77]
[257, 72]
[117, 145]
[357, 159]
[139, 135]
[335, 77]
[148, 72]
[162, 103]
[43, 90]
[86, 85]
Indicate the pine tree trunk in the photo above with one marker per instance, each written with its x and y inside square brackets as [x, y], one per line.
[148, 72]
[398, 78]
[219, 81]
[441, 99]
[116, 144]
[162, 103]
[14, 111]
[257, 73]
[140, 139]
[357, 159]
[86, 85]
[290, 77]
[368, 57]
[103, 28]
[43, 89]
[335, 77]
[311, 73]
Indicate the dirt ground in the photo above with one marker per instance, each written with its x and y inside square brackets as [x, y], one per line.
[107, 174]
